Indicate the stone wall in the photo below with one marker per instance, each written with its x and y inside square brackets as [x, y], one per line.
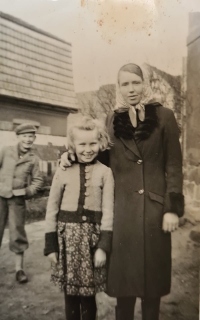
[166, 89]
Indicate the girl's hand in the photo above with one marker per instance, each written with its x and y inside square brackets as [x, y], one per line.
[65, 160]
[53, 257]
[170, 222]
[99, 258]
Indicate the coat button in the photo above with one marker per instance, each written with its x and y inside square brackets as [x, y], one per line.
[141, 191]
[139, 161]
[84, 218]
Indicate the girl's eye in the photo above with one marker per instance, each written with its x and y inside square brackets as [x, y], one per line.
[124, 84]
[93, 143]
[81, 144]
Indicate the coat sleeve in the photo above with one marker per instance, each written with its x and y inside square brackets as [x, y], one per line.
[103, 157]
[107, 211]
[174, 199]
[36, 180]
[53, 207]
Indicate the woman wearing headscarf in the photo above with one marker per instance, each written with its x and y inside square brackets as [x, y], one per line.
[147, 166]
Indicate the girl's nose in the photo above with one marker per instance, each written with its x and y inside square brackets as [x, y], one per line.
[87, 148]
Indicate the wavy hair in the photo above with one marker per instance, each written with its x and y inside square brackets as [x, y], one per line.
[81, 122]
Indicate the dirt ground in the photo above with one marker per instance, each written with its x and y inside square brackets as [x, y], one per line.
[40, 300]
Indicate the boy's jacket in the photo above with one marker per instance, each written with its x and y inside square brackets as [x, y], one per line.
[19, 177]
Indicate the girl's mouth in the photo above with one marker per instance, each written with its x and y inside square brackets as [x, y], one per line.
[88, 155]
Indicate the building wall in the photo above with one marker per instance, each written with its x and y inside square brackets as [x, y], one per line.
[50, 121]
[192, 118]
[8, 138]
[193, 101]
[35, 65]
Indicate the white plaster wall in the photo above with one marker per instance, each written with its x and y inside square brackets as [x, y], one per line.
[9, 138]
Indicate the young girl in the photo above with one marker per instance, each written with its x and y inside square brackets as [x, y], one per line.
[79, 219]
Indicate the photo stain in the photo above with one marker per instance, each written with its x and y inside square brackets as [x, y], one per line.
[82, 3]
[100, 22]
[118, 18]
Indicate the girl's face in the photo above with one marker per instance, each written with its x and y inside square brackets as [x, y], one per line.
[131, 87]
[86, 145]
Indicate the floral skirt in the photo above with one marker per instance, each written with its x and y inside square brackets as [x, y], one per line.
[75, 269]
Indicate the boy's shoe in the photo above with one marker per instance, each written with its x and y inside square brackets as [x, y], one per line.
[21, 276]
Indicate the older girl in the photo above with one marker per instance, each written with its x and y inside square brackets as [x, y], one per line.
[79, 220]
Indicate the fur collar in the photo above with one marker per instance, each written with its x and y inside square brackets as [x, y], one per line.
[124, 129]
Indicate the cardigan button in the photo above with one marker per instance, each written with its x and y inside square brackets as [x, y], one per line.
[139, 161]
[141, 191]
[87, 176]
[84, 218]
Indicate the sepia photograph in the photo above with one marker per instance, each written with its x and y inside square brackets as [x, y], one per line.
[99, 159]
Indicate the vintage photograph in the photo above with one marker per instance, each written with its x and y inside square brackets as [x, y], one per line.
[99, 159]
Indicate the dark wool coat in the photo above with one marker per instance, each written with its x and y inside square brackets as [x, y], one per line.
[147, 168]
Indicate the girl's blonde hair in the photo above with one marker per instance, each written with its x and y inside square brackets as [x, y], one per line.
[81, 122]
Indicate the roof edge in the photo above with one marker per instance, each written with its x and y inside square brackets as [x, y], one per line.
[45, 105]
[30, 27]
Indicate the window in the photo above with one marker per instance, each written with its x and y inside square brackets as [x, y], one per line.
[44, 130]
[6, 125]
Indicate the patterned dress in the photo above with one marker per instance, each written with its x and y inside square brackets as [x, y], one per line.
[77, 243]
[75, 269]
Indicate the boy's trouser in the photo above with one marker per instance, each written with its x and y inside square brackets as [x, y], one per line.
[125, 308]
[13, 210]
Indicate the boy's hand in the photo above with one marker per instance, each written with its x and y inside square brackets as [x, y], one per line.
[53, 257]
[99, 258]
[170, 222]
[65, 160]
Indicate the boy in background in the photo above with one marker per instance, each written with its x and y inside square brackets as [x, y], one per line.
[20, 179]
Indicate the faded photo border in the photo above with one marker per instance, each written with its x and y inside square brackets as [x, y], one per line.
[59, 57]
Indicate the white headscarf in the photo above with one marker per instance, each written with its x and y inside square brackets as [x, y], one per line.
[123, 106]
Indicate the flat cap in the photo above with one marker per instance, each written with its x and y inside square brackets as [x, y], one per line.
[25, 128]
